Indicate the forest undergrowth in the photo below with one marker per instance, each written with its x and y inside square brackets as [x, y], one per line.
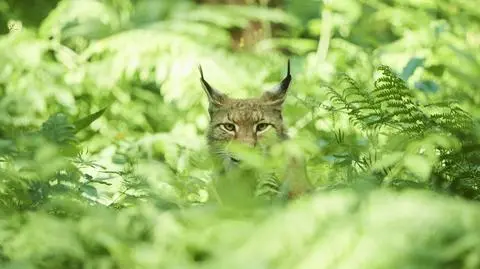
[103, 161]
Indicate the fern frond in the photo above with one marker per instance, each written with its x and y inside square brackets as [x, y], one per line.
[391, 106]
[268, 185]
[59, 130]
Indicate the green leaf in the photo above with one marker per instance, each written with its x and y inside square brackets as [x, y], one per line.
[411, 66]
[427, 86]
[89, 190]
[418, 165]
[388, 160]
[86, 121]
[437, 69]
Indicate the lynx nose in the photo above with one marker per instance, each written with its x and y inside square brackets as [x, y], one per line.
[249, 142]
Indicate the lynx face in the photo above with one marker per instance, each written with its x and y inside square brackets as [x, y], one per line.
[246, 121]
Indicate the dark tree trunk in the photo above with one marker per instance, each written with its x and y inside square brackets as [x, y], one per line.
[254, 32]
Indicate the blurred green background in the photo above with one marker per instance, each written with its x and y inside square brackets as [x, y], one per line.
[127, 189]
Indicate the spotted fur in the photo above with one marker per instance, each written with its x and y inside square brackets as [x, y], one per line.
[250, 121]
[246, 115]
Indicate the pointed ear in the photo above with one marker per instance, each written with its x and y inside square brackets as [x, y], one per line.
[214, 97]
[277, 95]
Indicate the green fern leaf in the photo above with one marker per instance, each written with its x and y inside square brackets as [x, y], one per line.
[59, 130]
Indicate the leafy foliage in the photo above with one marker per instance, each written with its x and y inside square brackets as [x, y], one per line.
[103, 162]
[418, 138]
[332, 224]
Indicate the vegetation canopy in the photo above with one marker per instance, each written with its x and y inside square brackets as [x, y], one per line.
[109, 145]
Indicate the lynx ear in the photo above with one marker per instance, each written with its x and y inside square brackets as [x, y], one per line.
[214, 96]
[276, 96]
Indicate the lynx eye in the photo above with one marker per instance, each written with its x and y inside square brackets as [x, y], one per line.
[229, 127]
[261, 127]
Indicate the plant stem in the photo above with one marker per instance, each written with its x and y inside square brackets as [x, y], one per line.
[326, 32]
[266, 26]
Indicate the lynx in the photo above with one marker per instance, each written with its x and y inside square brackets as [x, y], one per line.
[246, 121]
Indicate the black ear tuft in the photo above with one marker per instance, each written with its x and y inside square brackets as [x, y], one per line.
[214, 97]
[201, 71]
[277, 95]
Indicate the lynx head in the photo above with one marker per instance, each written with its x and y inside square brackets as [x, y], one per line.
[246, 121]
